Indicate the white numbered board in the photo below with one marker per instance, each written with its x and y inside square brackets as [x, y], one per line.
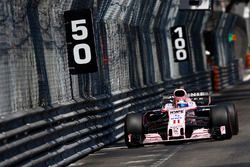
[80, 41]
[196, 4]
[180, 43]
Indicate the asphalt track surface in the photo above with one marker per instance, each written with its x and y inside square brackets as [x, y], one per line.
[204, 153]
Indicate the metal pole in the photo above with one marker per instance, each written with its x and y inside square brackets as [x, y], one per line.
[246, 15]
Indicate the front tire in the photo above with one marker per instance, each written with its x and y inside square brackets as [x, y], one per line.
[220, 116]
[233, 117]
[133, 127]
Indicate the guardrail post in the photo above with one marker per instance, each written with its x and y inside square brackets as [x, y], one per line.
[248, 60]
[216, 78]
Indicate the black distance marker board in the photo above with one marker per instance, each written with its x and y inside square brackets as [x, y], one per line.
[80, 41]
[180, 43]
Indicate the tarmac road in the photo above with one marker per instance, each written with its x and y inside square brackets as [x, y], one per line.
[206, 153]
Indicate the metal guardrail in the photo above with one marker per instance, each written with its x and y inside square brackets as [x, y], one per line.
[197, 81]
[240, 92]
[60, 135]
[69, 131]
[225, 76]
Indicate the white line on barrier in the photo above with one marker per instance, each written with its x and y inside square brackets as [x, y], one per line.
[246, 78]
[76, 164]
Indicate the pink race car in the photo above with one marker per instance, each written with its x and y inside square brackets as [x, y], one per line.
[183, 116]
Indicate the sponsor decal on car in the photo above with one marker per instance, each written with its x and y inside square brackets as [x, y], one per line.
[223, 130]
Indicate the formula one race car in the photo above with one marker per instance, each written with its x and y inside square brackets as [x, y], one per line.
[183, 116]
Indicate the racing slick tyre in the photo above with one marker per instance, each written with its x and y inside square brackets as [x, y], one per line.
[233, 117]
[219, 117]
[133, 127]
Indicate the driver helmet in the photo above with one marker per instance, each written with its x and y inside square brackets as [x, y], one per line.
[181, 104]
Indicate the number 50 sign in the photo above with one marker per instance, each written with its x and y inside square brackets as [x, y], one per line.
[180, 43]
[80, 41]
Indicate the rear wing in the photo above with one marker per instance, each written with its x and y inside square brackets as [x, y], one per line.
[200, 98]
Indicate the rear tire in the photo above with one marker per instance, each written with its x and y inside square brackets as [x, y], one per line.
[220, 116]
[133, 127]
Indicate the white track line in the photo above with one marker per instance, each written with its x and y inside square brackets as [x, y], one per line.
[136, 162]
[147, 156]
[157, 151]
[161, 161]
[114, 148]
[97, 154]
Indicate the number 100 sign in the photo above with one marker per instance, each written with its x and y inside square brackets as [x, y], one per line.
[80, 41]
[180, 43]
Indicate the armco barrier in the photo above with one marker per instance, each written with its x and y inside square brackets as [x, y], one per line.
[239, 92]
[69, 131]
[222, 77]
[63, 134]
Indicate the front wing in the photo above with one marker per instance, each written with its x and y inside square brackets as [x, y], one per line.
[197, 134]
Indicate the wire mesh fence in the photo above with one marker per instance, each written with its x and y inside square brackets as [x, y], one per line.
[133, 45]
